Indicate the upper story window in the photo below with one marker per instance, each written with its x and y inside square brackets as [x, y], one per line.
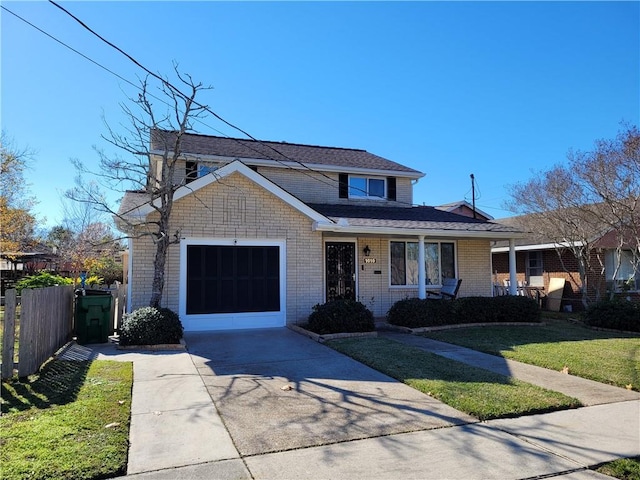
[196, 170]
[358, 186]
[367, 187]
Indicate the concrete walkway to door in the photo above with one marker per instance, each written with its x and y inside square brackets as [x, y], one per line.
[286, 407]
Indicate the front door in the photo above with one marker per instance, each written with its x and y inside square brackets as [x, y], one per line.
[340, 270]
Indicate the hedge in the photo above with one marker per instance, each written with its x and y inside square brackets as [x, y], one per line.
[415, 313]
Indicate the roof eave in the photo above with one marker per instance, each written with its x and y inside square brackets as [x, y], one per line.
[403, 231]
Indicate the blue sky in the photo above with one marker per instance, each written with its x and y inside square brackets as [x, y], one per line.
[497, 89]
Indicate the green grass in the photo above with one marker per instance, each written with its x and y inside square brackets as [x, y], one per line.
[54, 424]
[606, 357]
[478, 392]
[624, 469]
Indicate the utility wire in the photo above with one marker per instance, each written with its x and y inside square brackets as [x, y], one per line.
[148, 93]
[332, 181]
[177, 90]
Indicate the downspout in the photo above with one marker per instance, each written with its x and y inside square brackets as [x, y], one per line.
[129, 274]
[513, 279]
[422, 274]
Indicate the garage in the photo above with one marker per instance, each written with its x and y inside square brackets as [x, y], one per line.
[230, 284]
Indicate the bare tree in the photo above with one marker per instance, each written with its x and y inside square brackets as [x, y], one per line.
[151, 145]
[574, 205]
[554, 209]
[611, 175]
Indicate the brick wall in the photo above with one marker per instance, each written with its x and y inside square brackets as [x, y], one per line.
[315, 187]
[374, 290]
[234, 207]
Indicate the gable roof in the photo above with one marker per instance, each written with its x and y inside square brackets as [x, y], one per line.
[420, 220]
[292, 155]
[136, 205]
[463, 205]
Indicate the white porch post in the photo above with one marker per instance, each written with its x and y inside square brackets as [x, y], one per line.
[513, 279]
[422, 274]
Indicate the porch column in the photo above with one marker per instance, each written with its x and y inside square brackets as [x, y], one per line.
[422, 273]
[513, 279]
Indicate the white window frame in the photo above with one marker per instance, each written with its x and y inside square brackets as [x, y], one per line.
[366, 195]
[611, 258]
[232, 321]
[426, 241]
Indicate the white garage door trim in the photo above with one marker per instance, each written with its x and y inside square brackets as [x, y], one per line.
[231, 321]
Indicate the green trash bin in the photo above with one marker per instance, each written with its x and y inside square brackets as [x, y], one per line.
[93, 316]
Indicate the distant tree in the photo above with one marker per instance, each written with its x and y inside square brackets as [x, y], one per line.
[144, 170]
[85, 242]
[611, 176]
[17, 222]
[574, 204]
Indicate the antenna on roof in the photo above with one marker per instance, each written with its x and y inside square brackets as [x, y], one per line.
[473, 194]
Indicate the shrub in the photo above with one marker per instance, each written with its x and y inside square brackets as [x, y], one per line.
[108, 270]
[41, 280]
[507, 308]
[614, 314]
[91, 281]
[415, 312]
[340, 316]
[150, 326]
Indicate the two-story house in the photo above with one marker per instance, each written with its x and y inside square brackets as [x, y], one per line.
[268, 229]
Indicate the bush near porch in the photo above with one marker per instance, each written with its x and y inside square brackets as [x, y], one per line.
[416, 313]
[340, 316]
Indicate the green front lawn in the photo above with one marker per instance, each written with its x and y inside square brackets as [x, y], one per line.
[70, 421]
[624, 469]
[478, 392]
[606, 357]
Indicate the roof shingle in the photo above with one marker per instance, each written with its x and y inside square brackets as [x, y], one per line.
[279, 151]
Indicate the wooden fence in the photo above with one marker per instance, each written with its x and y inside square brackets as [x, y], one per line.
[45, 324]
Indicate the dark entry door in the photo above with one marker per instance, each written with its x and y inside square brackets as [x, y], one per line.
[340, 270]
[232, 279]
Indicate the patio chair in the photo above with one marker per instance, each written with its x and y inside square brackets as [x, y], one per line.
[449, 290]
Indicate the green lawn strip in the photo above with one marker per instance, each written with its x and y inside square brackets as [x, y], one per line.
[606, 357]
[483, 394]
[54, 424]
[624, 469]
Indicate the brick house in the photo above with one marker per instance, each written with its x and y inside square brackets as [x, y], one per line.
[268, 229]
[539, 260]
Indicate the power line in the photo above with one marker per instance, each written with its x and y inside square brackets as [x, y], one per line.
[138, 87]
[306, 169]
[208, 109]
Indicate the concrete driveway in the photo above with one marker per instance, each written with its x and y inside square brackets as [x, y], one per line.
[277, 390]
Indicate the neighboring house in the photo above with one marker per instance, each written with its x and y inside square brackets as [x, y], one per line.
[463, 207]
[264, 237]
[538, 260]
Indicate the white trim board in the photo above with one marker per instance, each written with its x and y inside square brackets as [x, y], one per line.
[231, 321]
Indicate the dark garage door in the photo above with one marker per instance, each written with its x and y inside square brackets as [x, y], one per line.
[232, 279]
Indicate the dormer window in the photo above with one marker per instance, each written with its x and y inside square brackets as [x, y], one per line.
[367, 187]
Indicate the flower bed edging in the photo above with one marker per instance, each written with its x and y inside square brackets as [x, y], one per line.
[154, 348]
[416, 331]
[329, 336]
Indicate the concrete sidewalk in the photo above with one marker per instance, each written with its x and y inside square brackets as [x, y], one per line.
[177, 431]
[587, 391]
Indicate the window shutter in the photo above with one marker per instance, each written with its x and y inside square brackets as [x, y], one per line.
[192, 171]
[391, 188]
[343, 185]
